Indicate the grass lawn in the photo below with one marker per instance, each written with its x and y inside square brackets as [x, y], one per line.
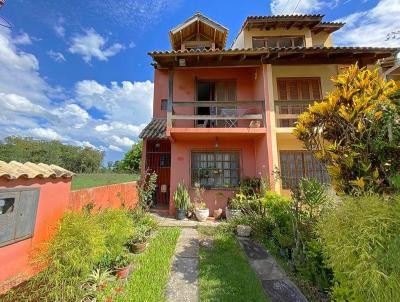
[149, 280]
[225, 274]
[81, 181]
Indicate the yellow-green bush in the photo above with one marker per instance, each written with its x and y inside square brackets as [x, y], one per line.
[355, 131]
[361, 242]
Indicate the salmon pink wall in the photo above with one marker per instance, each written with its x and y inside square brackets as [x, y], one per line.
[111, 196]
[53, 200]
[181, 166]
[160, 92]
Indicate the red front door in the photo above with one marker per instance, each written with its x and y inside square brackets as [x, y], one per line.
[158, 160]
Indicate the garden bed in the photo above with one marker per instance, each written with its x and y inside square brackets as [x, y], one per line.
[90, 259]
[225, 273]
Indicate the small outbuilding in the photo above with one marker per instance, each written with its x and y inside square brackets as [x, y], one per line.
[33, 198]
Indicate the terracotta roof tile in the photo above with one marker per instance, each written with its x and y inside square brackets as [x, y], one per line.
[15, 170]
[155, 129]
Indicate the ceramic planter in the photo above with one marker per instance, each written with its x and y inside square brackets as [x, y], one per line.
[202, 214]
[138, 247]
[180, 214]
[217, 213]
[229, 213]
[123, 272]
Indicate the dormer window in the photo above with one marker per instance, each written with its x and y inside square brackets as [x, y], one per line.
[278, 41]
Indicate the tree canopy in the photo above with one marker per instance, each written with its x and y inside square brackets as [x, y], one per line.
[131, 161]
[73, 158]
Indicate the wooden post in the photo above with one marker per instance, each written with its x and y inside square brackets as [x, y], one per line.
[170, 96]
[263, 113]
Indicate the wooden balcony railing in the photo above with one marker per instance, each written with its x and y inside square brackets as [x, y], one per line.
[213, 114]
[287, 112]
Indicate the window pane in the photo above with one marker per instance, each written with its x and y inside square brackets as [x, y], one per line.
[258, 43]
[219, 169]
[296, 165]
[7, 205]
[272, 42]
[285, 42]
[298, 41]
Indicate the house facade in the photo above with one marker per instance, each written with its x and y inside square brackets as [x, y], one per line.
[224, 113]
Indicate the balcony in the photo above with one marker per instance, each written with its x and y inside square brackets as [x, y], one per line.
[287, 113]
[216, 117]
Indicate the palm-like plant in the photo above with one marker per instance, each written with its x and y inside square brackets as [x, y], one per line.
[181, 197]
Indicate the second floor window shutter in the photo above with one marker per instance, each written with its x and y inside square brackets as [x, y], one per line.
[299, 89]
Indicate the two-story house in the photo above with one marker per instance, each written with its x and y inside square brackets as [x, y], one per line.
[221, 114]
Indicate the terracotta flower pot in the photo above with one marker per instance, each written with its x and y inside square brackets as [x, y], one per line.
[138, 247]
[217, 213]
[123, 272]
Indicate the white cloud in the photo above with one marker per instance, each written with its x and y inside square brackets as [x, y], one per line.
[92, 45]
[56, 56]
[285, 7]
[115, 148]
[121, 141]
[22, 39]
[60, 30]
[29, 106]
[89, 88]
[128, 102]
[46, 133]
[371, 27]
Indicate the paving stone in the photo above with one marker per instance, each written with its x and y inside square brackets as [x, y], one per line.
[283, 291]
[267, 269]
[183, 282]
[252, 250]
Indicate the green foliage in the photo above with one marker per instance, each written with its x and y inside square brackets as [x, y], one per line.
[361, 240]
[117, 226]
[73, 158]
[355, 131]
[146, 189]
[131, 161]
[83, 243]
[143, 224]
[181, 197]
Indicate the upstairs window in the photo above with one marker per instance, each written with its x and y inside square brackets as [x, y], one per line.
[164, 105]
[292, 41]
[299, 89]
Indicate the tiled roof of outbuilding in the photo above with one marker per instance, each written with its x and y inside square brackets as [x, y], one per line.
[155, 129]
[15, 170]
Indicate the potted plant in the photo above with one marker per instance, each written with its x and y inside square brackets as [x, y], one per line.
[233, 205]
[181, 201]
[123, 266]
[202, 212]
[190, 210]
[138, 242]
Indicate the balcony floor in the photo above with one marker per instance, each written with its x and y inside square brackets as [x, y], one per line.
[204, 133]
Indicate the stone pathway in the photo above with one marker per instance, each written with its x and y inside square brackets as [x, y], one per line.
[168, 221]
[276, 284]
[183, 280]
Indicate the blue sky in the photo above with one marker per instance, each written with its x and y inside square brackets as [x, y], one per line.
[78, 71]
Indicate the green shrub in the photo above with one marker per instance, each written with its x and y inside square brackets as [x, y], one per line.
[117, 226]
[83, 243]
[361, 241]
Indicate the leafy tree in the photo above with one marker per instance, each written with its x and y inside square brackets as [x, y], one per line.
[355, 131]
[131, 160]
[74, 158]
